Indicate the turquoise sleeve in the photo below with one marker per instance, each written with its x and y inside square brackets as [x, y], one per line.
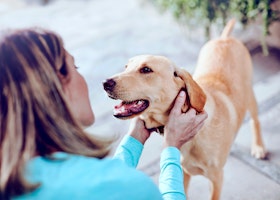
[129, 151]
[171, 175]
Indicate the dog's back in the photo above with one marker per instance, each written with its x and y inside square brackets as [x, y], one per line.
[225, 66]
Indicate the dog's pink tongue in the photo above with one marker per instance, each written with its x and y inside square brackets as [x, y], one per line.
[128, 109]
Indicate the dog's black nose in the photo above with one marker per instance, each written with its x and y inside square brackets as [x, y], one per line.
[109, 85]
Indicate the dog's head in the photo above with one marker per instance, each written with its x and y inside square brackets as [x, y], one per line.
[149, 86]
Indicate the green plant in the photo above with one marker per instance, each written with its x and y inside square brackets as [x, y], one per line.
[207, 12]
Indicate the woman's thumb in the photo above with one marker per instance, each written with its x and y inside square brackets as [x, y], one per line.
[180, 100]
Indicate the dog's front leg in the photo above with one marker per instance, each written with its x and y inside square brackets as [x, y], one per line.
[216, 182]
[187, 179]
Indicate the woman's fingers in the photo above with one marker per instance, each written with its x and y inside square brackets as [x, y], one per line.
[199, 121]
[179, 102]
[181, 127]
[138, 130]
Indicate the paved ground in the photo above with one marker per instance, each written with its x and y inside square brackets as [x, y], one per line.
[103, 35]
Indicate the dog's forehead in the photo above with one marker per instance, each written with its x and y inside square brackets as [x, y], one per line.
[149, 60]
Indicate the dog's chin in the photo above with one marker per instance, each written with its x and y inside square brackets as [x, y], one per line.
[130, 109]
[126, 117]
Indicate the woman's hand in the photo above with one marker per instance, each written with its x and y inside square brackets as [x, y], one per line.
[138, 130]
[181, 127]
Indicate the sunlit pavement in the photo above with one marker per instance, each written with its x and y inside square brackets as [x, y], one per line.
[103, 35]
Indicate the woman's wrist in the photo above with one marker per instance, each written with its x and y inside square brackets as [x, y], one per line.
[139, 138]
[170, 141]
[138, 131]
[170, 144]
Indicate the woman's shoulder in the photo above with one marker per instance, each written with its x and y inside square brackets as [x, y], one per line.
[83, 177]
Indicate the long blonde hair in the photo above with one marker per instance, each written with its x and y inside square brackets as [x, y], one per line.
[35, 118]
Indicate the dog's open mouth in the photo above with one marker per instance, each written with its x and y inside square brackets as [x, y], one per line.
[128, 108]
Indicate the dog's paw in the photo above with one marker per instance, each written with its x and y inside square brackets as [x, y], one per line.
[258, 152]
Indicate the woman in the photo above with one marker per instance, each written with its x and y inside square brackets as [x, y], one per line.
[44, 151]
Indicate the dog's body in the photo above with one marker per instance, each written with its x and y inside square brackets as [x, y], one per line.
[221, 85]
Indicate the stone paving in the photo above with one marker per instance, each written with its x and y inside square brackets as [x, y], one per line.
[103, 35]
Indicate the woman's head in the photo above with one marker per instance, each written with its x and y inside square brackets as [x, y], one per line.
[43, 103]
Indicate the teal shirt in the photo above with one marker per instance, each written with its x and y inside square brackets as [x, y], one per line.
[78, 177]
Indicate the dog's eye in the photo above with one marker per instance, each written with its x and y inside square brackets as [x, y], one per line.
[145, 70]
[175, 74]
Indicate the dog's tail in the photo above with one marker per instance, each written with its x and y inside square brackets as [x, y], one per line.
[227, 30]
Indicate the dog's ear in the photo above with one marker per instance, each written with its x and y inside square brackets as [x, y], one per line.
[196, 98]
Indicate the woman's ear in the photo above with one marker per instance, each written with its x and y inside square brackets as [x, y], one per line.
[62, 73]
[196, 98]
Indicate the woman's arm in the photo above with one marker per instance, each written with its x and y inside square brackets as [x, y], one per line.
[180, 128]
[171, 175]
[130, 148]
[129, 151]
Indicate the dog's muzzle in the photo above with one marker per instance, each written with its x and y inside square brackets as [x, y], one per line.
[109, 85]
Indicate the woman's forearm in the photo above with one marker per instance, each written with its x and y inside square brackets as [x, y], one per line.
[129, 151]
[171, 175]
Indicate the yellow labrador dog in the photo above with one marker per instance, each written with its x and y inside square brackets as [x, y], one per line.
[221, 84]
